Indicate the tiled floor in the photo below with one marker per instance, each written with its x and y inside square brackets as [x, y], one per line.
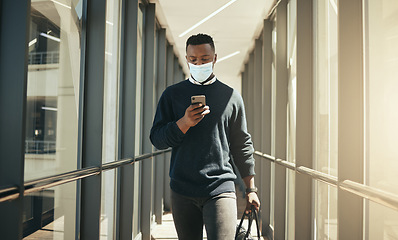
[53, 230]
[166, 230]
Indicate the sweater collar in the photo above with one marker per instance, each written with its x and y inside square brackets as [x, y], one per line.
[206, 83]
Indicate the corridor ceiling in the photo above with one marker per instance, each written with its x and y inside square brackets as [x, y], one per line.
[233, 29]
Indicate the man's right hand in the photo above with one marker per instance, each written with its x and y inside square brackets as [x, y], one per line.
[193, 115]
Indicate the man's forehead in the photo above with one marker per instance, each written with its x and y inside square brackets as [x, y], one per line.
[200, 47]
[196, 52]
[201, 55]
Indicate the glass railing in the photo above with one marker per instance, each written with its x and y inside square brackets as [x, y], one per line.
[40, 147]
[36, 58]
[12, 192]
[384, 198]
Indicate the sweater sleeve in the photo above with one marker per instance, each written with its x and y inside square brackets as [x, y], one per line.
[241, 145]
[164, 132]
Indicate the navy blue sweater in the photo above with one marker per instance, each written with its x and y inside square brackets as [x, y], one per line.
[201, 158]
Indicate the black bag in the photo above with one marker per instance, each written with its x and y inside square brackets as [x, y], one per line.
[241, 233]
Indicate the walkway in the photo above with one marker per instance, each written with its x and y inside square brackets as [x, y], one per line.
[166, 230]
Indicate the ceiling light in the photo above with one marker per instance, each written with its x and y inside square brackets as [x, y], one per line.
[32, 42]
[50, 109]
[334, 5]
[63, 5]
[50, 37]
[207, 18]
[228, 56]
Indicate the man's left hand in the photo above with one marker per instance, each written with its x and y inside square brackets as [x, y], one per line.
[252, 199]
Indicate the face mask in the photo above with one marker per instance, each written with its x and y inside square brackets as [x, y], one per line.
[201, 72]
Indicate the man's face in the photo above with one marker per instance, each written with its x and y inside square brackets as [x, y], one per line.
[200, 54]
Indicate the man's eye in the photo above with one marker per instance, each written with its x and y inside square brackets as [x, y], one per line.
[205, 59]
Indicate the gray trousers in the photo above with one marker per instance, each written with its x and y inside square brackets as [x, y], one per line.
[218, 214]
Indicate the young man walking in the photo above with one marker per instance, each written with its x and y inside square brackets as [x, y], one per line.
[205, 139]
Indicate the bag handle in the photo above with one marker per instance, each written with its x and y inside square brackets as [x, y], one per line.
[255, 214]
[251, 216]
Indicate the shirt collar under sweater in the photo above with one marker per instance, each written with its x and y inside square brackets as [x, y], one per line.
[206, 83]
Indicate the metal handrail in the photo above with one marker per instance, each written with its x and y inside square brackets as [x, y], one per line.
[122, 162]
[70, 174]
[379, 196]
[286, 164]
[324, 177]
[264, 155]
[382, 197]
[116, 164]
[9, 193]
[40, 187]
[8, 189]
[279, 161]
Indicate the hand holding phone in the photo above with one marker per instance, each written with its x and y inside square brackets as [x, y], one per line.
[198, 99]
[194, 113]
[198, 107]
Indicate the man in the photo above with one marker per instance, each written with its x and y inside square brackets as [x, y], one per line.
[205, 140]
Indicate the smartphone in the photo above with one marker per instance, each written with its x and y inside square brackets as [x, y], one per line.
[198, 99]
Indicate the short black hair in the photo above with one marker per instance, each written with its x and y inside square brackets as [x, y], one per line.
[199, 39]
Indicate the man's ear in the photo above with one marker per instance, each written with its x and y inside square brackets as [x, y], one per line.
[186, 58]
[215, 58]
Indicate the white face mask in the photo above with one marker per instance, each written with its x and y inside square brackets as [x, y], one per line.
[201, 72]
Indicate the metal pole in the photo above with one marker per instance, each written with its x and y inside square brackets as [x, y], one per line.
[250, 98]
[14, 34]
[148, 113]
[92, 118]
[159, 160]
[304, 116]
[257, 112]
[351, 129]
[169, 82]
[281, 88]
[124, 220]
[266, 101]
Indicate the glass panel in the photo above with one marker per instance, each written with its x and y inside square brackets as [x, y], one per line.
[111, 97]
[273, 109]
[54, 213]
[326, 86]
[108, 205]
[292, 89]
[325, 116]
[381, 130]
[153, 165]
[111, 89]
[139, 79]
[382, 98]
[291, 118]
[290, 205]
[53, 88]
[325, 211]
[138, 120]
[383, 223]
[28, 211]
